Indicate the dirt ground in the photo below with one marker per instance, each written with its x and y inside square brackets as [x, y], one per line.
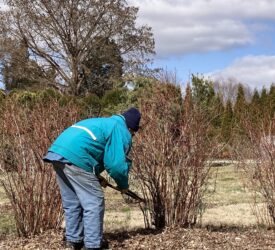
[177, 238]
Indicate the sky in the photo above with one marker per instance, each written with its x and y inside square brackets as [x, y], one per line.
[224, 40]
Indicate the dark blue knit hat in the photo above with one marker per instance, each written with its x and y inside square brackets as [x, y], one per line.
[132, 117]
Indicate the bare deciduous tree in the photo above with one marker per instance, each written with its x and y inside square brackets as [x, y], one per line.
[62, 34]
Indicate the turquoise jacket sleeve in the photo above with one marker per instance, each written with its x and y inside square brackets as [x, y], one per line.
[115, 156]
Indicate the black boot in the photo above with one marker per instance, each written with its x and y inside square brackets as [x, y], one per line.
[98, 248]
[104, 246]
[74, 245]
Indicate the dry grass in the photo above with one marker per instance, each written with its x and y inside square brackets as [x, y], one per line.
[228, 202]
[239, 215]
[7, 223]
[226, 187]
[120, 215]
[3, 196]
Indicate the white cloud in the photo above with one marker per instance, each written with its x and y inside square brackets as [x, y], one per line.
[186, 26]
[255, 71]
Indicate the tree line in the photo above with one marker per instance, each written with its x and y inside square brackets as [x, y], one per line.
[228, 113]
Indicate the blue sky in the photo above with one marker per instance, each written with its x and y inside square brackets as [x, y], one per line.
[225, 40]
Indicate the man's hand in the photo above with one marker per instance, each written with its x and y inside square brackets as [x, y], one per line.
[124, 191]
[103, 182]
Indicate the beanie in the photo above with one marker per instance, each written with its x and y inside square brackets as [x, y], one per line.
[132, 117]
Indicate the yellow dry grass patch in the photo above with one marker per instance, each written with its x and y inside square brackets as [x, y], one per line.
[123, 220]
[230, 215]
[3, 196]
[228, 201]
[119, 215]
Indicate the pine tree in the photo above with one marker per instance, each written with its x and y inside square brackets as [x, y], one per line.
[102, 69]
[218, 110]
[202, 91]
[255, 109]
[21, 72]
[256, 99]
[271, 99]
[227, 121]
[265, 108]
[264, 99]
[209, 102]
[240, 107]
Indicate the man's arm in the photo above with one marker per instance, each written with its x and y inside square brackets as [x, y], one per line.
[115, 160]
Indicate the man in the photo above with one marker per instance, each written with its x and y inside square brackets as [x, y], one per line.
[79, 155]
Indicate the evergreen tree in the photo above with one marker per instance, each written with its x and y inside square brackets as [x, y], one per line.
[240, 107]
[255, 108]
[218, 110]
[204, 96]
[271, 98]
[102, 69]
[265, 108]
[227, 121]
[264, 98]
[256, 99]
[202, 91]
[20, 72]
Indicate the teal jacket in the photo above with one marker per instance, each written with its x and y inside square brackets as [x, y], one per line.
[96, 144]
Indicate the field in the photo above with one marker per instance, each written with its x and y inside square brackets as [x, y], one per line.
[227, 203]
[227, 222]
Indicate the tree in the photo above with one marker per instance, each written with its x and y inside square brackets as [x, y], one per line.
[255, 102]
[20, 72]
[62, 34]
[240, 105]
[204, 95]
[255, 107]
[265, 104]
[271, 97]
[102, 69]
[264, 98]
[227, 121]
[202, 91]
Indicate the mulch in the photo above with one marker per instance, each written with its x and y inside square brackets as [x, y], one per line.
[170, 238]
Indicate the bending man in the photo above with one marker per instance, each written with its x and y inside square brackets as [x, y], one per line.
[79, 155]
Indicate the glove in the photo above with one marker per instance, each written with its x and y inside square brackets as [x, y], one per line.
[124, 191]
[127, 199]
[103, 182]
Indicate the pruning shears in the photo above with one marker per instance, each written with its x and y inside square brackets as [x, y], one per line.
[128, 192]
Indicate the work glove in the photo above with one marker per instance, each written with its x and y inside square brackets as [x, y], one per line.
[124, 195]
[103, 182]
[127, 199]
[124, 191]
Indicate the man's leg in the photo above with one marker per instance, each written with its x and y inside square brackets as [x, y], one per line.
[71, 205]
[91, 196]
